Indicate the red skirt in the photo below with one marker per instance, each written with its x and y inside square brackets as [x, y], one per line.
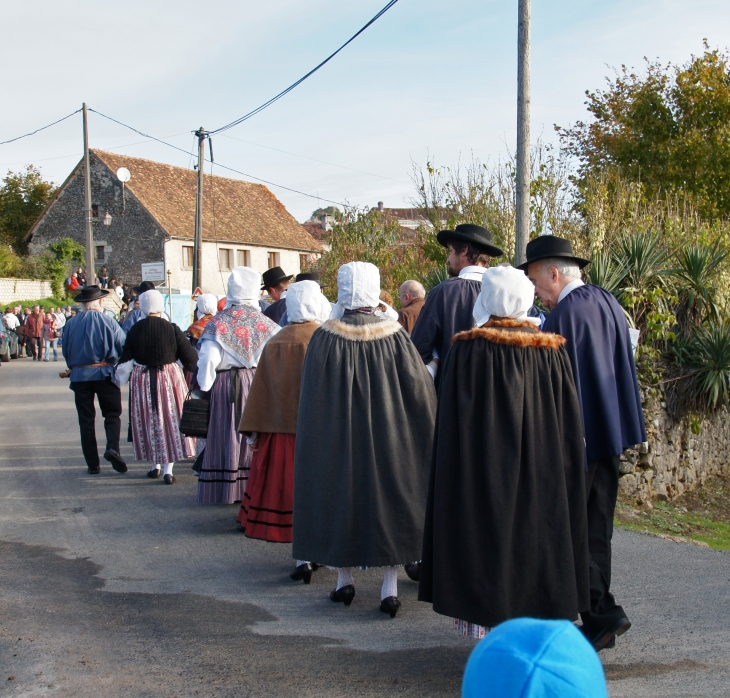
[268, 502]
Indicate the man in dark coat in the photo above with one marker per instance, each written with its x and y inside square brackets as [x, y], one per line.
[275, 282]
[599, 348]
[449, 306]
[363, 443]
[506, 529]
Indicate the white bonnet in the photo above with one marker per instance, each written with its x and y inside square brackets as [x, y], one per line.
[306, 302]
[506, 292]
[358, 286]
[151, 302]
[244, 285]
[207, 304]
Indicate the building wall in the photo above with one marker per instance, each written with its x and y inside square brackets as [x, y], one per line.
[12, 290]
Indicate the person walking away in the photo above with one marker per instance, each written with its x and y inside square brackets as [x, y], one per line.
[230, 348]
[275, 283]
[304, 276]
[269, 421]
[412, 296]
[363, 443]
[34, 333]
[448, 308]
[506, 528]
[138, 314]
[206, 306]
[157, 387]
[92, 345]
[599, 347]
[50, 335]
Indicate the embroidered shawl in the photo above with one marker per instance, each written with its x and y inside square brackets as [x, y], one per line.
[196, 329]
[241, 330]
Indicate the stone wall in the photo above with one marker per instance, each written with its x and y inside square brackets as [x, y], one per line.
[680, 455]
[13, 290]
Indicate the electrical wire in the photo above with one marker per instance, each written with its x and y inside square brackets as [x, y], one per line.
[309, 74]
[42, 128]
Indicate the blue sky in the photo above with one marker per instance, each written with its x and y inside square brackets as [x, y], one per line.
[429, 79]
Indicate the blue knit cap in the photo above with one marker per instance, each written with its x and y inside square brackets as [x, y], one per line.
[529, 658]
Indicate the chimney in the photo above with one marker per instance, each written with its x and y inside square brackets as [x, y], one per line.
[380, 206]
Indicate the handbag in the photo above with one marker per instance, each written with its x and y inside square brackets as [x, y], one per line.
[195, 416]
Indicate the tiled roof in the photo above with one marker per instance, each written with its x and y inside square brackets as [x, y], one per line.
[315, 229]
[243, 212]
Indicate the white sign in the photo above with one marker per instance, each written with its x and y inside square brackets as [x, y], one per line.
[155, 271]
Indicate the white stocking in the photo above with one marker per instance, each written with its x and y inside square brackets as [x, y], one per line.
[168, 469]
[344, 577]
[302, 562]
[390, 583]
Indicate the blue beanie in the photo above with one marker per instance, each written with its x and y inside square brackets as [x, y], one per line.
[529, 658]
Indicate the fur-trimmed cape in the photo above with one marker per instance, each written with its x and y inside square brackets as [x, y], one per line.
[363, 448]
[505, 531]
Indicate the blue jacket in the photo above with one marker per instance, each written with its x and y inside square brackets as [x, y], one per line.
[91, 337]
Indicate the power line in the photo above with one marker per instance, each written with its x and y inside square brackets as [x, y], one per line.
[310, 73]
[42, 128]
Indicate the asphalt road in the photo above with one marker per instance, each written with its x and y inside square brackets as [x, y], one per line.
[117, 585]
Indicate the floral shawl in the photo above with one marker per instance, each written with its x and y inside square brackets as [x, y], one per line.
[196, 329]
[240, 330]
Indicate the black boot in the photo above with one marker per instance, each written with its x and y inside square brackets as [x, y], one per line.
[390, 605]
[303, 573]
[343, 595]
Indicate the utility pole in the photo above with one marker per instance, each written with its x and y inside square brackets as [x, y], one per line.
[90, 261]
[522, 216]
[198, 249]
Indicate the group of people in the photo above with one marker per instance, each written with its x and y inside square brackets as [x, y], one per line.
[38, 330]
[469, 437]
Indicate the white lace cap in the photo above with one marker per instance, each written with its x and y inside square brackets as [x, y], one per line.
[358, 286]
[244, 285]
[306, 302]
[506, 292]
[151, 302]
[207, 304]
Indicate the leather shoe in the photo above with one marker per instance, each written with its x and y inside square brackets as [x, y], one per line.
[169, 479]
[95, 471]
[116, 460]
[606, 638]
[155, 473]
[390, 605]
[343, 595]
[413, 570]
[303, 573]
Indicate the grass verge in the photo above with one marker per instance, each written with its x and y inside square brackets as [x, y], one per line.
[701, 516]
[44, 303]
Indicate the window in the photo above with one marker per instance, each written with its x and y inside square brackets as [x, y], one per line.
[100, 255]
[94, 210]
[302, 262]
[244, 258]
[188, 256]
[273, 259]
[225, 258]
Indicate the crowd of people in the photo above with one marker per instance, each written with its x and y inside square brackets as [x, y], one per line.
[472, 437]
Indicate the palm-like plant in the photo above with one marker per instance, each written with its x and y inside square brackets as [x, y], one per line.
[607, 271]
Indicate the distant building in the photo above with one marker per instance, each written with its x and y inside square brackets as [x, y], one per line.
[410, 218]
[153, 220]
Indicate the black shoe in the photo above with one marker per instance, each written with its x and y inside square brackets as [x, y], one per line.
[303, 573]
[169, 479]
[413, 570]
[390, 605]
[343, 595]
[95, 471]
[154, 473]
[602, 639]
[116, 460]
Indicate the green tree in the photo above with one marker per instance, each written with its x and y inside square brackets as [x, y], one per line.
[23, 196]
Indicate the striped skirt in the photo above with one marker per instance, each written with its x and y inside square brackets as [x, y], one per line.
[268, 502]
[156, 428]
[227, 458]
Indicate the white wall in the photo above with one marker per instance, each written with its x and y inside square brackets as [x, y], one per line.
[12, 290]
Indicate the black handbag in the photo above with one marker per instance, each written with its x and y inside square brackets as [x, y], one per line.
[195, 416]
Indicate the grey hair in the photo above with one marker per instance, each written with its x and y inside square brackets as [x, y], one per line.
[566, 269]
[90, 305]
[415, 288]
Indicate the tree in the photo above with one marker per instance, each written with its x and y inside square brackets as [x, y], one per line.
[329, 211]
[23, 196]
[668, 129]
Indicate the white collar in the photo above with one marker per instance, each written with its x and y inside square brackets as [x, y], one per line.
[474, 273]
[569, 288]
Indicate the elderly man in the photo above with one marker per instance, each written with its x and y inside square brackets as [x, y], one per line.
[449, 306]
[275, 282]
[412, 298]
[92, 344]
[599, 347]
[34, 332]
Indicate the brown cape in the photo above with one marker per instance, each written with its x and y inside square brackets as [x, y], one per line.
[273, 403]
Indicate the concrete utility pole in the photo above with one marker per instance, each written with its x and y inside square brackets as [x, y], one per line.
[522, 216]
[90, 261]
[198, 249]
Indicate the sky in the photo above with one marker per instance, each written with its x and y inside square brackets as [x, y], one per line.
[429, 81]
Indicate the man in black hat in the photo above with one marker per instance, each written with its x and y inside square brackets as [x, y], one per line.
[275, 283]
[602, 359]
[92, 344]
[448, 308]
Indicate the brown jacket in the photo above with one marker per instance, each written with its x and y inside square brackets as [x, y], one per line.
[272, 405]
[34, 326]
[408, 316]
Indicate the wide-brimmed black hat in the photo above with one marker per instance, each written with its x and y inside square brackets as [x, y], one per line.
[547, 246]
[143, 287]
[274, 276]
[475, 234]
[91, 293]
[309, 276]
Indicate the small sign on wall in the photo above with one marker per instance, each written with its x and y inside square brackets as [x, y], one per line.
[154, 271]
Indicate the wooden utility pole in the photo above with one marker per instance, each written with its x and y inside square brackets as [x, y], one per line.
[522, 217]
[90, 256]
[198, 249]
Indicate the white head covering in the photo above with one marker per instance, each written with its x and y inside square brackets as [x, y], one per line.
[244, 285]
[506, 292]
[358, 286]
[151, 302]
[207, 304]
[306, 302]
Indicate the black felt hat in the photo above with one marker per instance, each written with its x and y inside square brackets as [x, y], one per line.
[547, 246]
[309, 276]
[91, 293]
[475, 234]
[144, 286]
[274, 276]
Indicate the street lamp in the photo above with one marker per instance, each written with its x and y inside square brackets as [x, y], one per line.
[107, 220]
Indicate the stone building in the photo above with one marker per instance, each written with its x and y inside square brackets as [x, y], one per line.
[153, 220]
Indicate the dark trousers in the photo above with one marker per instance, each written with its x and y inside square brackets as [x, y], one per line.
[110, 402]
[33, 347]
[601, 493]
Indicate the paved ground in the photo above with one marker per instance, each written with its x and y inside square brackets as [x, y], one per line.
[120, 586]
